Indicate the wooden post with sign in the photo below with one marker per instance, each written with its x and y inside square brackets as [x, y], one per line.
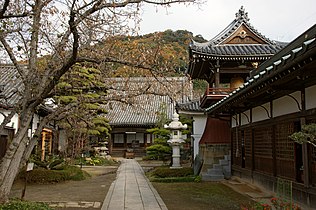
[29, 167]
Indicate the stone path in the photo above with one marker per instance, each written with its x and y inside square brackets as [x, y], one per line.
[132, 190]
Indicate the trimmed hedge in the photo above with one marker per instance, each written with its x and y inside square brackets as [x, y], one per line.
[22, 205]
[163, 172]
[95, 161]
[166, 174]
[174, 179]
[67, 172]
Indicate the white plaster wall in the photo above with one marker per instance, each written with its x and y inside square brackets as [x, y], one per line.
[234, 122]
[310, 97]
[33, 128]
[259, 113]
[245, 118]
[14, 123]
[199, 124]
[198, 129]
[286, 104]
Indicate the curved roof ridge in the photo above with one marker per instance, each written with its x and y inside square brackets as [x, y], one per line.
[255, 31]
[200, 44]
[241, 19]
[224, 34]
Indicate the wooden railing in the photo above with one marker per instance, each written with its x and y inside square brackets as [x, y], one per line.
[212, 95]
[218, 91]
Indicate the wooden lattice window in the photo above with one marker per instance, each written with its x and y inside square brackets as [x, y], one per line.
[284, 145]
[263, 142]
[248, 139]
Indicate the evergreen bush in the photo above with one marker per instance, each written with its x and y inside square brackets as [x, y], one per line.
[23, 205]
[164, 172]
[41, 175]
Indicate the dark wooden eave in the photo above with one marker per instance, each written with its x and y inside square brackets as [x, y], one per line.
[290, 70]
[213, 95]
[192, 106]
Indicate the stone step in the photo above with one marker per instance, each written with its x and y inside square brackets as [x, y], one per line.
[227, 169]
[208, 177]
[217, 166]
[224, 162]
[227, 157]
[227, 173]
[214, 171]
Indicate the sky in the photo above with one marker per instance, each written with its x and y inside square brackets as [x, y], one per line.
[279, 20]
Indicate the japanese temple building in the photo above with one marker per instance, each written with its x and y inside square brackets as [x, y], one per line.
[275, 102]
[272, 100]
[226, 60]
[226, 63]
[137, 104]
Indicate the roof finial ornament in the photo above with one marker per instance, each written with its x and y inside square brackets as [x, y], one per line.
[242, 15]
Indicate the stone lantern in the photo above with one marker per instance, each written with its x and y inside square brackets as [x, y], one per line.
[176, 139]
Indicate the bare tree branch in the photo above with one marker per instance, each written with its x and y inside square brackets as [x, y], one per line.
[12, 57]
[4, 8]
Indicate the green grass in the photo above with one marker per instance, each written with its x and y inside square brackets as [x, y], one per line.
[199, 196]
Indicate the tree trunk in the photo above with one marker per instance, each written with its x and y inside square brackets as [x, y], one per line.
[10, 163]
[10, 173]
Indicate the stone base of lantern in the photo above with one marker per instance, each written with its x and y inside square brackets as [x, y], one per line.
[176, 156]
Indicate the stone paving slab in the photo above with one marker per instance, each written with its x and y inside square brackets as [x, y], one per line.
[74, 204]
[132, 190]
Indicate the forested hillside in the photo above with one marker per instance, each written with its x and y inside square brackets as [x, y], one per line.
[165, 52]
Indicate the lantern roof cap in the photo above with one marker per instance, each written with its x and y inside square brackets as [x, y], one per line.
[175, 124]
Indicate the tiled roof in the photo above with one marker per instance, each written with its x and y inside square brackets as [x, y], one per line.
[177, 88]
[143, 112]
[263, 51]
[286, 69]
[11, 85]
[192, 106]
[241, 18]
[138, 100]
[217, 48]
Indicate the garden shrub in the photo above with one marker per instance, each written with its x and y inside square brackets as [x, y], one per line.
[173, 179]
[159, 152]
[67, 172]
[51, 163]
[164, 172]
[22, 205]
[95, 161]
[55, 163]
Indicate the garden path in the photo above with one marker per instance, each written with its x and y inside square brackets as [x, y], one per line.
[132, 190]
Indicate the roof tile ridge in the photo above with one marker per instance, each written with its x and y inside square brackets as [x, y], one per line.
[226, 32]
[255, 31]
[200, 44]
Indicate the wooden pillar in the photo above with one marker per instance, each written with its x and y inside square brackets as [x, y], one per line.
[110, 143]
[253, 166]
[306, 162]
[125, 140]
[145, 140]
[252, 145]
[274, 151]
[217, 75]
